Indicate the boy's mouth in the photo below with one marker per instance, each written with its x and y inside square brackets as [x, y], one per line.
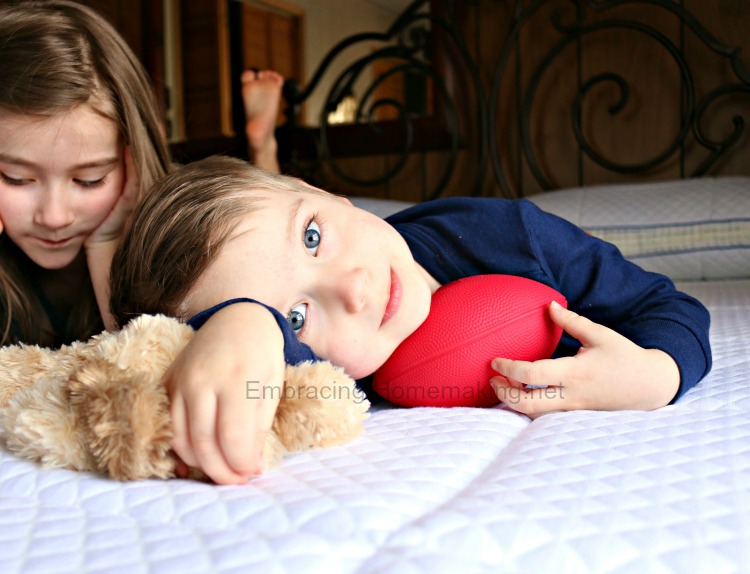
[394, 298]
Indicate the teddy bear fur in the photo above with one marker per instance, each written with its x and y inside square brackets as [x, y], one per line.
[101, 406]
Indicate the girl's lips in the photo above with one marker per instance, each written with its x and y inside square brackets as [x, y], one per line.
[394, 298]
[55, 244]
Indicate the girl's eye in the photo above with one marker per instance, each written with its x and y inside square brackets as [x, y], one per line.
[312, 238]
[91, 183]
[296, 317]
[14, 180]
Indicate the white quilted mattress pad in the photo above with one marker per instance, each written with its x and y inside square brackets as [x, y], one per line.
[436, 490]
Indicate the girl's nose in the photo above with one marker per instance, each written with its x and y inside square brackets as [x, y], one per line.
[54, 210]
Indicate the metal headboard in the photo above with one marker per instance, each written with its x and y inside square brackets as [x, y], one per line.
[468, 126]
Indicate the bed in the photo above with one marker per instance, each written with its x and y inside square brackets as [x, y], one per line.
[459, 490]
[468, 490]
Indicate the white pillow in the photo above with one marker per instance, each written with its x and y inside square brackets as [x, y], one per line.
[380, 207]
[688, 229]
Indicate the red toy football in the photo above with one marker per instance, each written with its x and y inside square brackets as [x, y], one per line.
[446, 361]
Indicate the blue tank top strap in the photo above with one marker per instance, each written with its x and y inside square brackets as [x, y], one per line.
[295, 352]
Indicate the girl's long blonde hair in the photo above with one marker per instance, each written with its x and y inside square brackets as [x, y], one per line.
[56, 56]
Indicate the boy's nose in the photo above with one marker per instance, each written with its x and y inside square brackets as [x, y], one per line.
[54, 210]
[351, 288]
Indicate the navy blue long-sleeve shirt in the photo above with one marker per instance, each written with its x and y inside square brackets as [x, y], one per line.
[461, 237]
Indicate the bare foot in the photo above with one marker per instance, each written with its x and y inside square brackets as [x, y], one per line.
[261, 94]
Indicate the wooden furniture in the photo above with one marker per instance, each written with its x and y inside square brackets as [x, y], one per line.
[535, 95]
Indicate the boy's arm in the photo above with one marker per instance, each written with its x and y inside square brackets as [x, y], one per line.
[643, 342]
[217, 427]
[609, 372]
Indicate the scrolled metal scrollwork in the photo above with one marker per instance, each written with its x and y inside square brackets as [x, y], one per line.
[577, 108]
[409, 43]
[690, 108]
[717, 148]
[509, 152]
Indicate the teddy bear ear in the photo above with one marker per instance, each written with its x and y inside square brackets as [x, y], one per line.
[123, 416]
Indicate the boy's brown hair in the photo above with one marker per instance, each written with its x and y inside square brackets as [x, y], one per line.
[180, 228]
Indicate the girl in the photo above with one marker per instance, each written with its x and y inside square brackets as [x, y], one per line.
[81, 139]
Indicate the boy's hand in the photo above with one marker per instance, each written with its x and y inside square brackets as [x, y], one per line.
[609, 372]
[111, 228]
[217, 427]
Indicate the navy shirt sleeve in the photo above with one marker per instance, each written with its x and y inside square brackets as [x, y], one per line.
[645, 307]
[295, 352]
[461, 237]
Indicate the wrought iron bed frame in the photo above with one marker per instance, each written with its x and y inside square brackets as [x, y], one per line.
[427, 39]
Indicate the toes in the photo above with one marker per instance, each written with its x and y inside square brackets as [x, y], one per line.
[248, 76]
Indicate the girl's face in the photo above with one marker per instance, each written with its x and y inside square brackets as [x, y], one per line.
[345, 279]
[60, 177]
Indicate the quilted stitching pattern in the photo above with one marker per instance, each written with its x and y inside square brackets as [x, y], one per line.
[433, 490]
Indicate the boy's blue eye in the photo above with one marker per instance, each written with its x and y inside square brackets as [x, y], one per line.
[297, 316]
[312, 237]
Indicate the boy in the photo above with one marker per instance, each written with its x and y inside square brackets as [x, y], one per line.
[277, 270]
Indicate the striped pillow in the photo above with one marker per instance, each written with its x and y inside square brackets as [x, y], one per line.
[689, 230]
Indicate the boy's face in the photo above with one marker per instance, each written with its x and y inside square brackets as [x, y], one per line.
[344, 278]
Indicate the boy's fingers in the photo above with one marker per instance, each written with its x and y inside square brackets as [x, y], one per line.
[243, 426]
[581, 328]
[537, 373]
[240, 438]
[181, 440]
[204, 442]
[533, 387]
[529, 401]
[181, 470]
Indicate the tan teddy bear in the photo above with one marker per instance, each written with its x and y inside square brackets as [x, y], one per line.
[101, 406]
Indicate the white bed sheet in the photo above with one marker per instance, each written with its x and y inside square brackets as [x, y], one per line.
[433, 490]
